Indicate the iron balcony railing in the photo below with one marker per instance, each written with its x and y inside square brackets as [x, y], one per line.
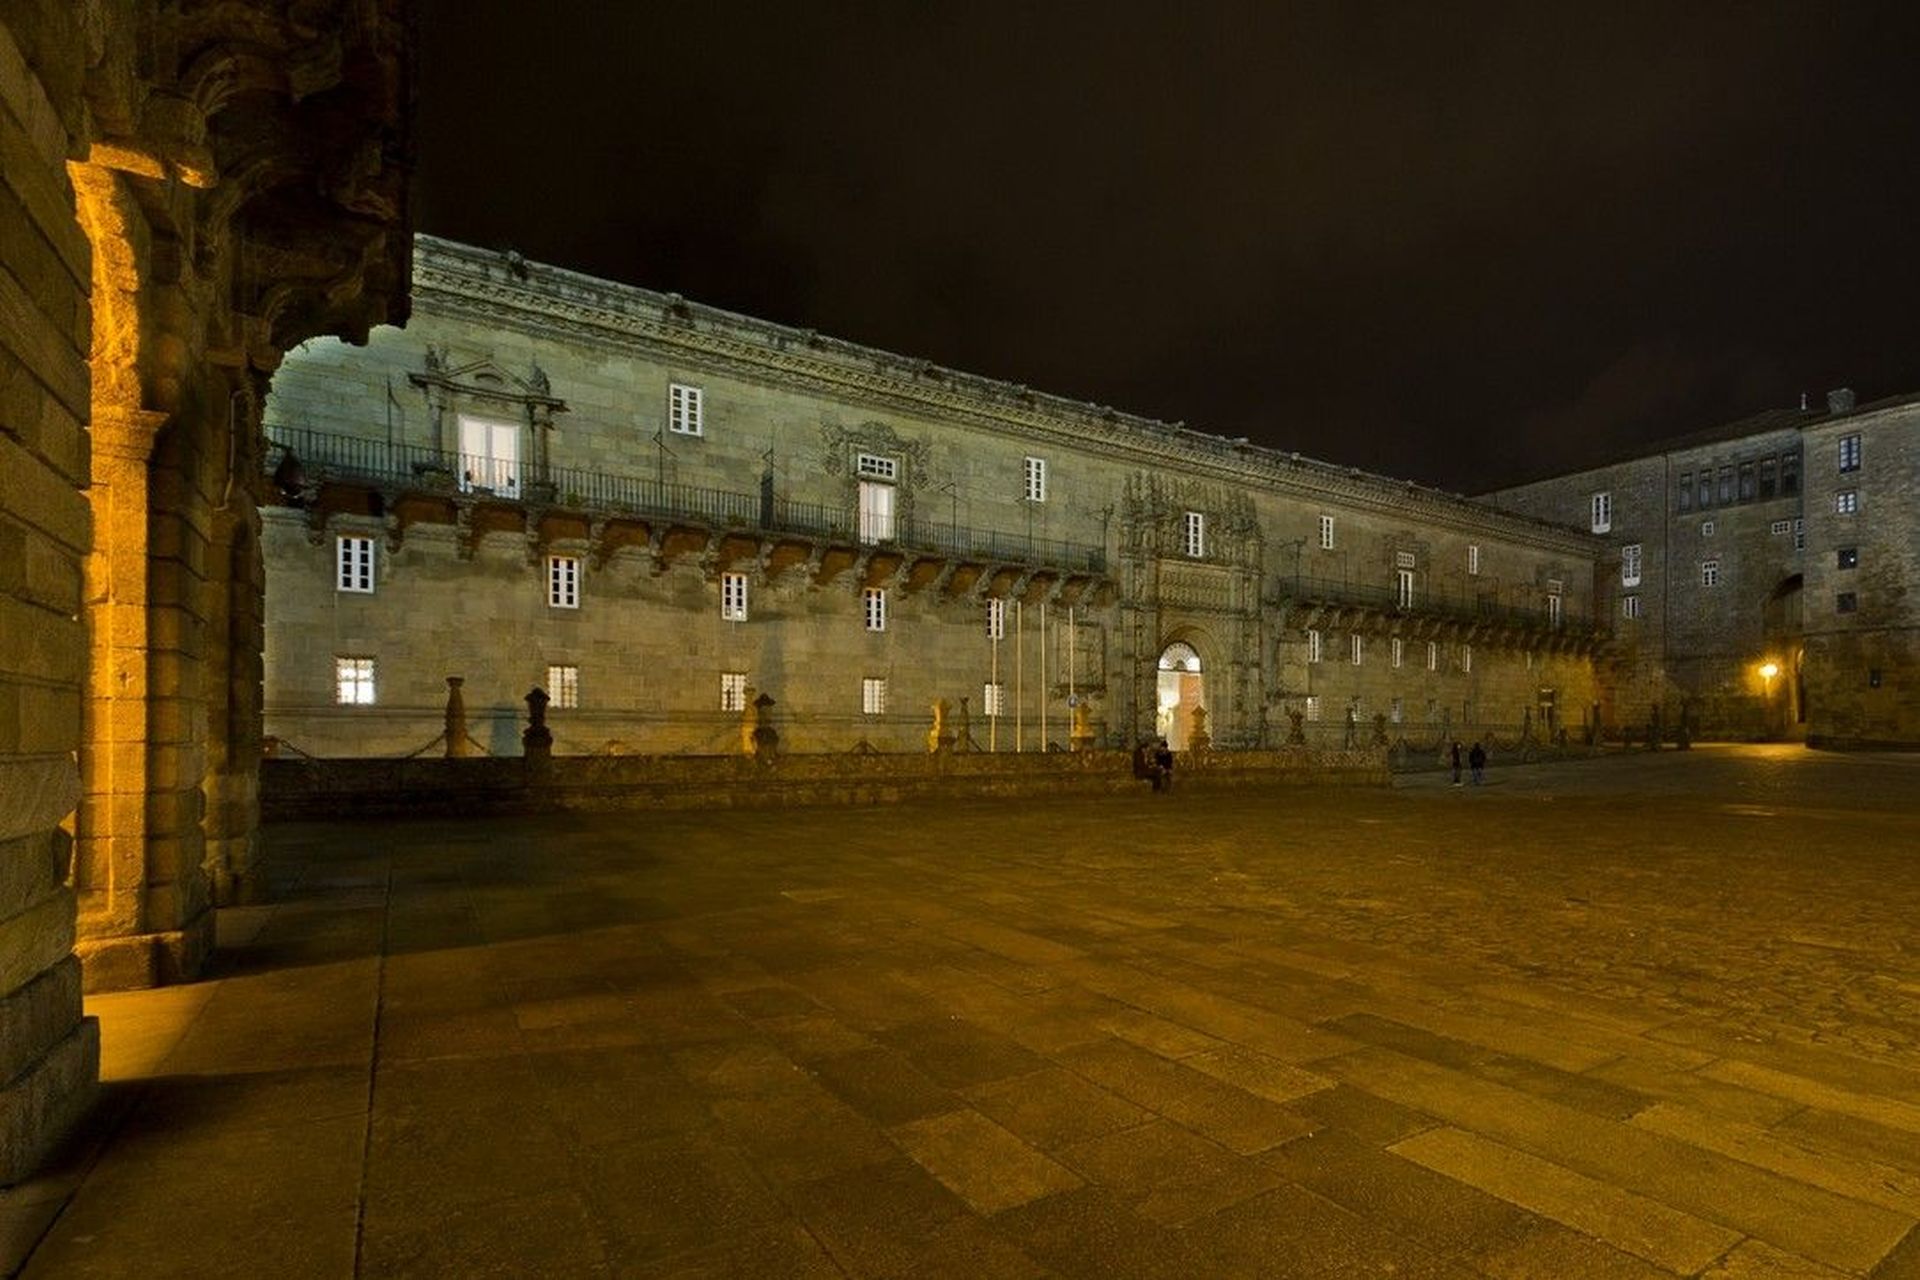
[324, 456]
[1393, 599]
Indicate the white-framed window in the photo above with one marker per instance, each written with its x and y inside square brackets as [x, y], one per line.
[563, 685]
[1629, 606]
[1036, 479]
[1780, 528]
[996, 619]
[1313, 645]
[489, 455]
[1709, 573]
[1396, 711]
[733, 597]
[1399, 650]
[733, 691]
[563, 582]
[1846, 502]
[1466, 657]
[1473, 559]
[684, 410]
[876, 510]
[1706, 528]
[1602, 505]
[1433, 655]
[1405, 560]
[1313, 706]
[1403, 579]
[1359, 647]
[876, 467]
[1553, 609]
[353, 565]
[993, 699]
[353, 681]
[875, 599]
[1196, 534]
[1630, 565]
[1850, 453]
[873, 695]
[1326, 533]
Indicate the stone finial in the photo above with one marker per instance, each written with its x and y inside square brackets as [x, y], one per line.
[1296, 730]
[1198, 739]
[1082, 736]
[939, 736]
[758, 738]
[962, 729]
[537, 740]
[455, 731]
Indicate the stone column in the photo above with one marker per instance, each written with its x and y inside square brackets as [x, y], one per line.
[234, 747]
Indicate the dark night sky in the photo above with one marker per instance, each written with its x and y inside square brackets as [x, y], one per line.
[1454, 243]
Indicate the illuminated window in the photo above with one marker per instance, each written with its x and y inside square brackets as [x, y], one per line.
[1466, 657]
[996, 619]
[873, 696]
[733, 597]
[1846, 502]
[1036, 479]
[1710, 573]
[1433, 655]
[993, 698]
[1846, 558]
[1602, 510]
[876, 608]
[1850, 453]
[1313, 706]
[354, 565]
[1403, 581]
[1359, 648]
[353, 682]
[1629, 606]
[1196, 528]
[1313, 646]
[563, 582]
[1630, 565]
[1399, 650]
[563, 686]
[876, 511]
[733, 691]
[1326, 533]
[1473, 559]
[683, 409]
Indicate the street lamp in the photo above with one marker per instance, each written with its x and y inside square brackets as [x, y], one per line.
[1768, 671]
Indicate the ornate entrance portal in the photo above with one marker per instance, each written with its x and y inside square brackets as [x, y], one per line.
[1182, 688]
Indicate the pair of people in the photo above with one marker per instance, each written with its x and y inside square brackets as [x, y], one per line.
[1153, 760]
[1476, 760]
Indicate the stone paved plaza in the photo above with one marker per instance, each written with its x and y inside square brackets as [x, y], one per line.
[1634, 1017]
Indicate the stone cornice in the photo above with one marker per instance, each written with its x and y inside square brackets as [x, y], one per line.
[499, 289]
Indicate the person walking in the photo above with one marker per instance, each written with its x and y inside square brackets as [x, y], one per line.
[1456, 762]
[1163, 760]
[1477, 759]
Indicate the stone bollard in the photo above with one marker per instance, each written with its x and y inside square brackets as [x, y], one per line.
[939, 737]
[765, 739]
[1296, 729]
[1081, 738]
[537, 740]
[458, 746]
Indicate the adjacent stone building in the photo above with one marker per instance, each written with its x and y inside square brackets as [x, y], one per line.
[1761, 574]
[660, 513]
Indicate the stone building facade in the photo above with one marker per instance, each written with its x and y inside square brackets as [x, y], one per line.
[658, 511]
[185, 192]
[1760, 574]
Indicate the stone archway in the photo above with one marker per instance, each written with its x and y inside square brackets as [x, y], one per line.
[1180, 690]
[1784, 692]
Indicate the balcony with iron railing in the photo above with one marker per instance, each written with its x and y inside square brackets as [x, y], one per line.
[1460, 607]
[322, 457]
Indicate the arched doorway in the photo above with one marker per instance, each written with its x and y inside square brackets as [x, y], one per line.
[1784, 691]
[1181, 688]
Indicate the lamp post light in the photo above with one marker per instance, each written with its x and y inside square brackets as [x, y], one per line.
[1768, 670]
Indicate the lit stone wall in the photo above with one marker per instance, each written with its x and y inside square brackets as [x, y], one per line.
[523, 345]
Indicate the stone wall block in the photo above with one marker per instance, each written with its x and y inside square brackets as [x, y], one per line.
[36, 938]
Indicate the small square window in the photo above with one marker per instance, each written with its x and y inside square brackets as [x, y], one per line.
[873, 696]
[876, 467]
[1846, 558]
[1196, 531]
[1036, 479]
[563, 582]
[1706, 528]
[733, 691]
[563, 686]
[684, 410]
[733, 597]
[1709, 573]
[876, 608]
[353, 682]
[1779, 528]
[1846, 602]
[1326, 533]
[1846, 502]
[993, 699]
[1602, 511]
[1850, 453]
[354, 565]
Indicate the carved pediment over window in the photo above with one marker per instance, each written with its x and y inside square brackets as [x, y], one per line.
[1153, 513]
[841, 445]
[485, 379]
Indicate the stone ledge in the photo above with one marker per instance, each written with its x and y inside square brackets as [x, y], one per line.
[38, 1015]
[39, 1106]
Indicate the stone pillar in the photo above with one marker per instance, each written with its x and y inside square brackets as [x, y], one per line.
[536, 741]
[455, 733]
[235, 631]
